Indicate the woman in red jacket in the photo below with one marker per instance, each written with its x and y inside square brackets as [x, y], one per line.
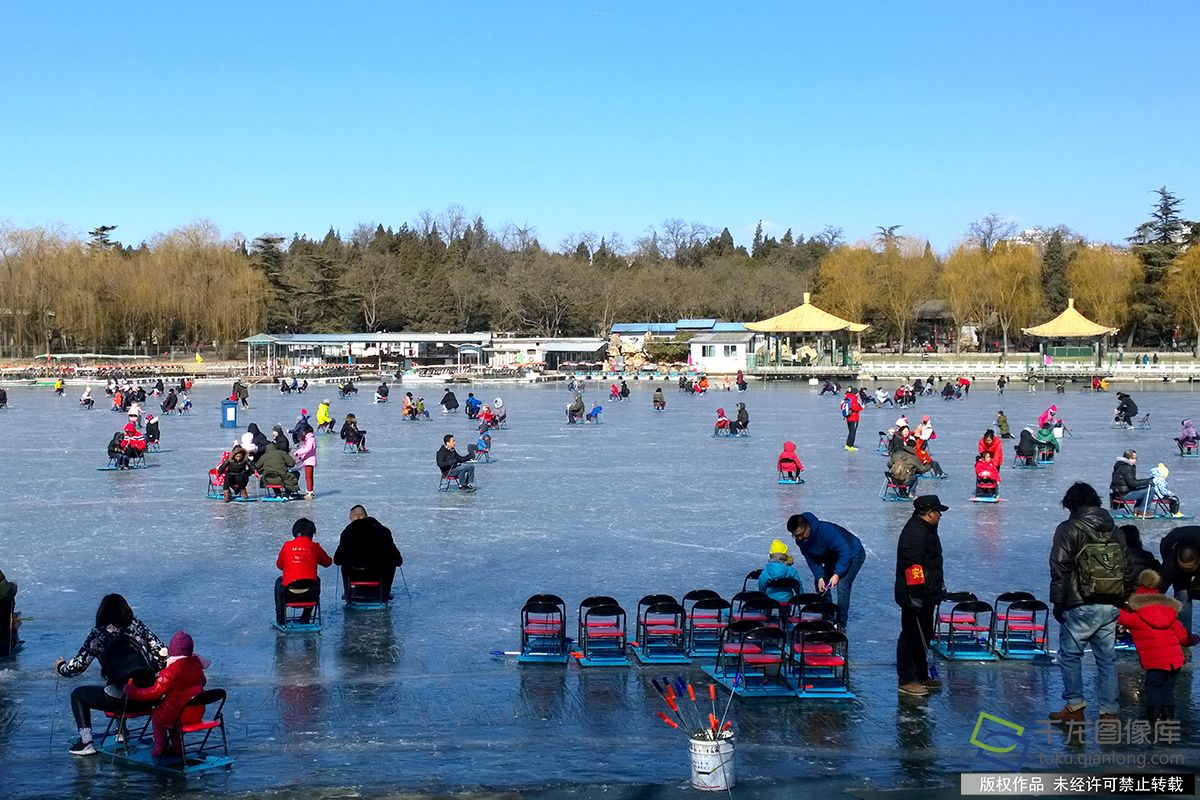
[1159, 636]
[990, 444]
[788, 463]
[176, 685]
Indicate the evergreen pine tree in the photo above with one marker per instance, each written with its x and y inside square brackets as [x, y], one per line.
[1054, 272]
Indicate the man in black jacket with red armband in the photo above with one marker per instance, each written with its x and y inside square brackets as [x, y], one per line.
[919, 589]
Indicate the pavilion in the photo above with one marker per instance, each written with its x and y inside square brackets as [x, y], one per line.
[806, 320]
[1070, 324]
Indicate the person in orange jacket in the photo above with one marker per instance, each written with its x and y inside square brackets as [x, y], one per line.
[299, 558]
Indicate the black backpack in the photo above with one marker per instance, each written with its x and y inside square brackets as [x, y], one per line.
[1100, 567]
[124, 659]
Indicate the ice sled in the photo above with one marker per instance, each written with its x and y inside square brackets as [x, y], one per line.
[196, 753]
[660, 630]
[544, 631]
[602, 634]
[963, 632]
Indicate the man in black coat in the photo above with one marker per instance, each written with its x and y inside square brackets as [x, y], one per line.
[919, 588]
[1125, 484]
[1180, 550]
[1089, 570]
[366, 551]
[453, 464]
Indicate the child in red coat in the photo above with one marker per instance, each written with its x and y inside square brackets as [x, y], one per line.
[1152, 619]
[987, 477]
[181, 680]
[788, 464]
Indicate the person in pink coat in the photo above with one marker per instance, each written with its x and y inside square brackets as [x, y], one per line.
[306, 456]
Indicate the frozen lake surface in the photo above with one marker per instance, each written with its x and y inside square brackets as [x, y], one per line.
[409, 698]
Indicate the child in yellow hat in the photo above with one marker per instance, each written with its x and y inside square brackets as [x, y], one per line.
[779, 565]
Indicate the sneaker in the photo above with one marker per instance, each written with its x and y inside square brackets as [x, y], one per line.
[1067, 714]
[81, 748]
[466, 488]
[1177, 514]
[308, 496]
[851, 448]
[913, 689]
[932, 683]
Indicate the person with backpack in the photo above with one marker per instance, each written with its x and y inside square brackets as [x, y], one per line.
[1089, 570]
[127, 650]
[851, 406]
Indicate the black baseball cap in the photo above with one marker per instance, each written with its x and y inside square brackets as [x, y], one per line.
[928, 502]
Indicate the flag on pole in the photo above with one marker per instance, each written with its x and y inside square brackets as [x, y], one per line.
[199, 360]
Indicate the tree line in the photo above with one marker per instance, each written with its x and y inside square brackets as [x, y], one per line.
[448, 272]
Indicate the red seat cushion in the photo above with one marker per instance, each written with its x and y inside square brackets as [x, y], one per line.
[300, 605]
[662, 630]
[822, 649]
[956, 617]
[660, 619]
[823, 661]
[1025, 626]
[710, 625]
[610, 633]
[734, 649]
[1015, 615]
[762, 658]
[977, 628]
[201, 726]
[543, 629]
[362, 583]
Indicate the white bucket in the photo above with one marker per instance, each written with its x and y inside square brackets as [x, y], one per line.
[712, 763]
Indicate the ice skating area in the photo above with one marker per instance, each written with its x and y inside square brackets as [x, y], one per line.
[412, 697]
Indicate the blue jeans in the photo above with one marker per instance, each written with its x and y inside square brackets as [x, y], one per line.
[1185, 613]
[1138, 494]
[1094, 625]
[465, 474]
[845, 585]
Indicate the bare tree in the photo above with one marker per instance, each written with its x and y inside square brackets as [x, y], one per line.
[363, 234]
[453, 222]
[831, 236]
[989, 230]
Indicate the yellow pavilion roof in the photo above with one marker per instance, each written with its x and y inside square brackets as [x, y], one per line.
[1070, 324]
[806, 318]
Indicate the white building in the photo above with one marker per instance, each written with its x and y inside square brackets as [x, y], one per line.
[722, 353]
[508, 350]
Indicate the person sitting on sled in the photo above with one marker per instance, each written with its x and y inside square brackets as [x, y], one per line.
[788, 463]
[722, 423]
[181, 680]
[1159, 490]
[594, 414]
[1188, 438]
[779, 565]
[987, 476]
[659, 401]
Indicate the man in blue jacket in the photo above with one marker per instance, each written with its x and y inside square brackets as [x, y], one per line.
[834, 555]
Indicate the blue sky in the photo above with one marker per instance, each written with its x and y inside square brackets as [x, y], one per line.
[601, 116]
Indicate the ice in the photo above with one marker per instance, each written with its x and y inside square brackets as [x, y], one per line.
[410, 697]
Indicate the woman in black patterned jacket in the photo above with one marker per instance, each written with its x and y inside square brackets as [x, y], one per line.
[122, 645]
